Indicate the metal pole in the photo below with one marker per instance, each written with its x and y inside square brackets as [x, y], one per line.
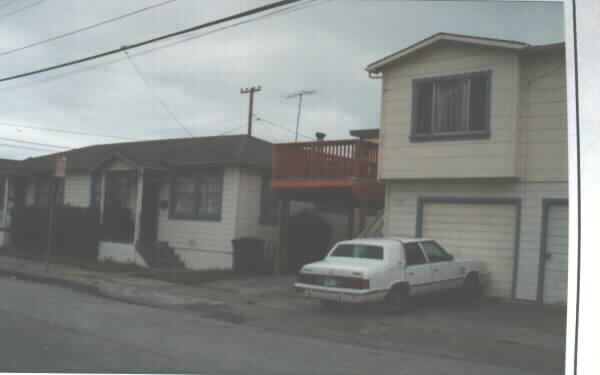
[52, 200]
[250, 91]
[250, 112]
[300, 94]
[298, 116]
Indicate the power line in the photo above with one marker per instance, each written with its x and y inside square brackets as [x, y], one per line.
[7, 124]
[268, 122]
[34, 143]
[18, 10]
[152, 40]
[86, 28]
[286, 10]
[23, 147]
[7, 4]
[158, 98]
[231, 130]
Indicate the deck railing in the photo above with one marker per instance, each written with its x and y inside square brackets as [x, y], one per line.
[325, 160]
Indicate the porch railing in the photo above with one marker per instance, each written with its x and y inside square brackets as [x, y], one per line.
[325, 160]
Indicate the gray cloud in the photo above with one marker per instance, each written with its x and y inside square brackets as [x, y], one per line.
[324, 47]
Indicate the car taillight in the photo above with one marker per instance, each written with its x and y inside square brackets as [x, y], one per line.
[353, 283]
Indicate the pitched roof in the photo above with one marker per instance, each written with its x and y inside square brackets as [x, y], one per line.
[376, 66]
[9, 166]
[164, 153]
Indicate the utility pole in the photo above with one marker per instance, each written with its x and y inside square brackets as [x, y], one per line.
[299, 95]
[251, 91]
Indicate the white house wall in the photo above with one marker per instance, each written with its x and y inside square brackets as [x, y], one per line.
[492, 157]
[543, 118]
[401, 215]
[248, 213]
[203, 244]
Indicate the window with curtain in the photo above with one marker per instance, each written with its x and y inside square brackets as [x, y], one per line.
[451, 107]
[197, 194]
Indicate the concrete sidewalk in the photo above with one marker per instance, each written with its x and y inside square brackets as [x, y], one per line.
[113, 285]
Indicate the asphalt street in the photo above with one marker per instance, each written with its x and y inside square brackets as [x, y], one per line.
[50, 328]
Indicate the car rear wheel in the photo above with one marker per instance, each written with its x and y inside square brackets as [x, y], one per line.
[398, 298]
[471, 289]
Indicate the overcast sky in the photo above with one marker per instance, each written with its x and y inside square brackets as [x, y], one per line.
[324, 47]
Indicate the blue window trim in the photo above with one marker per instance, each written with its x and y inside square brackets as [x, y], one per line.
[451, 136]
[195, 172]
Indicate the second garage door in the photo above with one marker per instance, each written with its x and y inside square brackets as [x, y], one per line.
[557, 250]
[483, 232]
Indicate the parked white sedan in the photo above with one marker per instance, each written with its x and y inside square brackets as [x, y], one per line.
[388, 269]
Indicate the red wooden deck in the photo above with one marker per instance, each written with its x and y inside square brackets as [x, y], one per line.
[343, 164]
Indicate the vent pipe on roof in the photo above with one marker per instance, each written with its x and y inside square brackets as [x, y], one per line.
[320, 136]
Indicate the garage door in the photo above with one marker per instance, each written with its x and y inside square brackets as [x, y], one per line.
[483, 232]
[555, 267]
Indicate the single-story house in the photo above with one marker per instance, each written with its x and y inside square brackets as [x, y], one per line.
[187, 196]
[473, 153]
[9, 170]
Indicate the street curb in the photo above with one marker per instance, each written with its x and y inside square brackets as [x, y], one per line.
[78, 286]
[105, 289]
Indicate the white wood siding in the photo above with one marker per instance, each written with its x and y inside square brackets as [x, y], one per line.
[557, 247]
[30, 193]
[483, 232]
[77, 190]
[493, 157]
[401, 210]
[248, 213]
[203, 244]
[543, 118]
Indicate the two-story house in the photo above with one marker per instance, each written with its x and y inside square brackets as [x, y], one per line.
[473, 153]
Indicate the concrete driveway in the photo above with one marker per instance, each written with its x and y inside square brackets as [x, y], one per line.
[518, 334]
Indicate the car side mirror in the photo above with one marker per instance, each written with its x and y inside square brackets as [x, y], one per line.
[450, 257]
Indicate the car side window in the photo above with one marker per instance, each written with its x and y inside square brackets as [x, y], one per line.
[435, 252]
[414, 254]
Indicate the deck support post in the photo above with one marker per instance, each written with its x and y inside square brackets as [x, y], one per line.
[362, 221]
[281, 258]
[351, 219]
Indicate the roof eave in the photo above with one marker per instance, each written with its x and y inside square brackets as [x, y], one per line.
[376, 66]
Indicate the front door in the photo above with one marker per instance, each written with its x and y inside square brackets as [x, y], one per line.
[149, 214]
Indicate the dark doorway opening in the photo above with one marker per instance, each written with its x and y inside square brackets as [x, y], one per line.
[149, 214]
[309, 238]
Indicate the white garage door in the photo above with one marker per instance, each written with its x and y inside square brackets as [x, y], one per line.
[483, 232]
[555, 268]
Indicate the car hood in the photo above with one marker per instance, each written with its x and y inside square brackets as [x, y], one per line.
[346, 268]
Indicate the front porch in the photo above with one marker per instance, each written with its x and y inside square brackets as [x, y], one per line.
[128, 198]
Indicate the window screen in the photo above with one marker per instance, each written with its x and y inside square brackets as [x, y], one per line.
[197, 194]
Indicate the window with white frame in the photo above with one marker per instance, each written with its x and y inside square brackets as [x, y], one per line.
[197, 194]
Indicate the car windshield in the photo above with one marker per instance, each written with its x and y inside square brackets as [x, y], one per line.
[358, 251]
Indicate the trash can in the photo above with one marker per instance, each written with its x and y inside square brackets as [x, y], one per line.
[248, 255]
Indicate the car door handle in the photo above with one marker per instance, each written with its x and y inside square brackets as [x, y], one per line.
[435, 270]
[411, 274]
